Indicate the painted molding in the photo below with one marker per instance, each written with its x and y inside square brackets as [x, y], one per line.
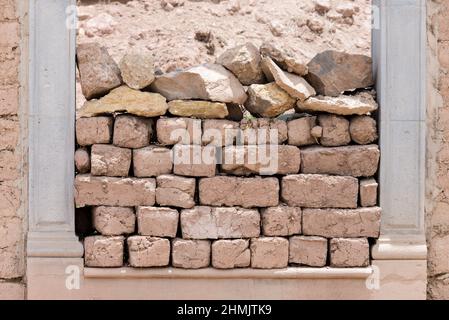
[51, 131]
[399, 55]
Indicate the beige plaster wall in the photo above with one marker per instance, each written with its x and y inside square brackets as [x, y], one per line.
[12, 154]
[437, 206]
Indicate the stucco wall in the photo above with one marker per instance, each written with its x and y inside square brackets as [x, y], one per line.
[437, 207]
[12, 157]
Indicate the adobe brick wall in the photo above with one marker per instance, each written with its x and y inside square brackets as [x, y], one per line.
[12, 165]
[437, 206]
[170, 178]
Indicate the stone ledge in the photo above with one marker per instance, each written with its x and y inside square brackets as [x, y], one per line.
[210, 273]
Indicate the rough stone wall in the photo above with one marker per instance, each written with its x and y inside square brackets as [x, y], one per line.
[437, 207]
[11, 156]
[181, 169]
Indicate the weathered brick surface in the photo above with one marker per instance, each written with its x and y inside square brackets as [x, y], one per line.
[9, 133]
[363, 129]
[9, 101]
[152, 161]
[9, 11]
[191, 254]
[228, 254]
[171, 131]
[299, 131]
[157, 221]
[219, 132]
[264, 160]
[335, 130]
[269, 253]
[203, 222]
[320, 191]
[236, 191]
[114, 221]
[132, 132]
[194, 160]
[148, 251]
[109, 191]
[281, 221]
[175, 191]
[9, 165]
[258, 131]
[368, 192]
[361, 222]
[100, 251]
[356, 161]
[349, 252]
[309, 251]
[82, 160]
[94, 130]
[109, 160]
[9, 199]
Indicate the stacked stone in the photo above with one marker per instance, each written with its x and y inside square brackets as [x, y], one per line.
[313, 202]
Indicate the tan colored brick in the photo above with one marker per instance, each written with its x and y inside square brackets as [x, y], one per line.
[171, 131]
[363, 129]
[349, 252]
[263, 160]
[94, 130]
[109, 160]
[228, 254]
[368, 192]
[335, 130]
[12, 290]
[9, 165]
[148, 251]
[10, 61]
[258, 131]
[281, 221]
[114, 221]
[269, 253]
[157, 221]
[10, 33]
[175, 191]
[203, 222]
[8, 11]
[333, 223]
[356, 161]
[309, 251]
[9, 200]
[132, 132]
[82, 160]
[438, 251]
[9, 100]
[152, 161]
[320, 191]
[299, 131]
[9, 133]
[100, 251]
[219, 132]
[236, 191]
[191, 254]
[108, 191]
[12, 262]
[194, 160]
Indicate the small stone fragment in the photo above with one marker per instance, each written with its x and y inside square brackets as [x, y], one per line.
[137, 69]
[98, 71]
[268, 100]
[363, 129]
[284, 58]
[82, 160]
[368, 192]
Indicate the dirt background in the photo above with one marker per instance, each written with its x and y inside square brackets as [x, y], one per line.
[183, 33]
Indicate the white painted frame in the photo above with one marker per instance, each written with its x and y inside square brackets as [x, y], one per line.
[400, 68]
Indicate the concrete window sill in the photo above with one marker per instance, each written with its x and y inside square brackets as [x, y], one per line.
[211, 273]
